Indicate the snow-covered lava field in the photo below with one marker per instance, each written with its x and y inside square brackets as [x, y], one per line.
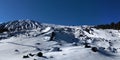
[26, 39]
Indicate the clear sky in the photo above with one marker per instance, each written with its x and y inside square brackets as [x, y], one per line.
[65, 12]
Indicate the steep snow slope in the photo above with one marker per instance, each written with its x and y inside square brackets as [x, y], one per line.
[57, 42]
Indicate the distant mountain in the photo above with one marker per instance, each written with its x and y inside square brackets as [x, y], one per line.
[20, 25]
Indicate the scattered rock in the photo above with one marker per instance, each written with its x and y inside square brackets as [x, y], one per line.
[26, 56]
[40, 54]
[16, 50]
[87, 45]
[37, 44]
[94, 49]
[56, 49]
[31, 55]
[51, 57]
[35, 59]
[52, 36]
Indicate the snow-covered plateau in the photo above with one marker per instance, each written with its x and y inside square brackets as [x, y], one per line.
[31, 40]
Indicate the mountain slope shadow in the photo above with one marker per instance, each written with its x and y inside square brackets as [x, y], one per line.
[106, 53]
[66, 37]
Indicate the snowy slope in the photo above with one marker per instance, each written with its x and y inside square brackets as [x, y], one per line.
[57, 42]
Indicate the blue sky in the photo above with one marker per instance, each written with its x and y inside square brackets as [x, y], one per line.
[65, 12]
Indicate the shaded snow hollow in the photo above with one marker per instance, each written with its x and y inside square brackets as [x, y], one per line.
[67, 42]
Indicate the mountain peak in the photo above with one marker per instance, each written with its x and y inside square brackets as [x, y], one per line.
[21, 25]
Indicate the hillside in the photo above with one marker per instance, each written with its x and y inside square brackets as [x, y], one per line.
[26, 39]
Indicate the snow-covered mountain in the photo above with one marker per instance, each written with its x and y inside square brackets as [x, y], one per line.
[22, 25]
[26, 39]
